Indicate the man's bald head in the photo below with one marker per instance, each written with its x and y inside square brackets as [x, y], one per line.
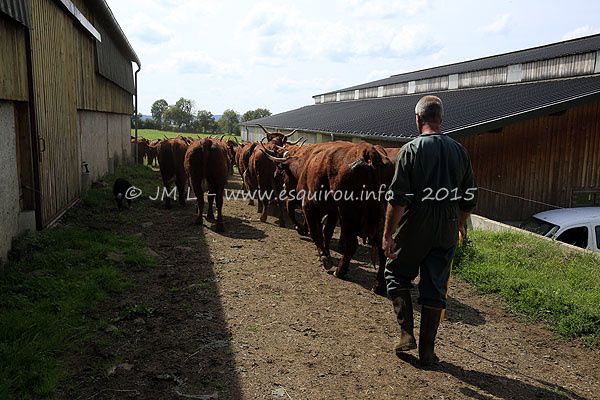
[430, 110]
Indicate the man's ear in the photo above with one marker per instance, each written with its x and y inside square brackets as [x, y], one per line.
[419, 122]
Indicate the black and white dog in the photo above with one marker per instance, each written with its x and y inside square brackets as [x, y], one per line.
[120, 189]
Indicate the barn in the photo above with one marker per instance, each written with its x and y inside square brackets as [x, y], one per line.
[530, 120]
[66, 99]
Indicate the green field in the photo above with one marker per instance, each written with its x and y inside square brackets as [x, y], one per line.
[152, 134]
[50, 290]
[537, 279]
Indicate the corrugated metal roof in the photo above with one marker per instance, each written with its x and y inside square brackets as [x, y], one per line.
[17, 10]
[568, 47]
[466, 110]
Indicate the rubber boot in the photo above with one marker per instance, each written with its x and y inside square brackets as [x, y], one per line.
[430, 321]
[404, 314]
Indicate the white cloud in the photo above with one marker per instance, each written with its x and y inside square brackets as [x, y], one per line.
[277, 32]
[385, 9]
[585, 30]
[499, 25]
[149, 31]
[195, 63]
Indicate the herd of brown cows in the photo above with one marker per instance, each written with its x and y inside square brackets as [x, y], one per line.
[276, 171]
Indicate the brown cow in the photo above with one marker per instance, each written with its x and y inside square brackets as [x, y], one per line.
[206, 159]
[152, 151]
[242, 159]
[352, 170]
[289, 164]
[171, 153]
[259, 174]
[142, 149]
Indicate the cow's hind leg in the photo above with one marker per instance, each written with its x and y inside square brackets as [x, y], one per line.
[167, 186]
[264, 210]
[197, 186]
[210, 215]
[330, 224]
[315, 228]
[219, 200]
[181, 194]
[349, 244]
[380, 286]
[280, 208]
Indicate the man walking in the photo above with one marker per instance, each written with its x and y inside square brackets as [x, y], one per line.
[430, 198]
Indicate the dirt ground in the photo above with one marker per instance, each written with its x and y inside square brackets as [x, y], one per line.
[250, 314]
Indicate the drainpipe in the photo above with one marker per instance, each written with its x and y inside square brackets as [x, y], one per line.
[135, 117]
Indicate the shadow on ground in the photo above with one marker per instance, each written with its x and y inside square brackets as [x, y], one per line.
[167, 337]
[483, 385]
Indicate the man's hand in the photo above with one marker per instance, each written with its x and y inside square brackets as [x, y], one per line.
[392, 217]
[462, 224]
[462, 231]
[388, 246]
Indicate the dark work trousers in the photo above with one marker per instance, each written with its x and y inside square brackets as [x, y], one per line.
[425, 243]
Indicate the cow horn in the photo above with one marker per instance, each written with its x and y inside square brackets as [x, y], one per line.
[266, 131]
[303, 141]
[273, 158]
[236, 140]
[289, 134]
[166, 137]
[295, 142]
[221, 139]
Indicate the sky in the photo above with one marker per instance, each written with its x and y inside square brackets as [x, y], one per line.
[243, 55]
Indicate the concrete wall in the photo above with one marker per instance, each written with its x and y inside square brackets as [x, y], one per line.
[9, 179]
[104, 144]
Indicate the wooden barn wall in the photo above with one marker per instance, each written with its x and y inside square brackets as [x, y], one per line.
[54, 75]
[65, 80]
[13, 61]
[541, 159]
[94, 92]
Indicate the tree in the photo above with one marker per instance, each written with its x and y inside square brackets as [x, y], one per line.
[180, 114]
[255, 114]
[139, 120]
[159, 107]
[205, 120]
[229, 122]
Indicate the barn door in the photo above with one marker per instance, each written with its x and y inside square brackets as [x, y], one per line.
[54, 87]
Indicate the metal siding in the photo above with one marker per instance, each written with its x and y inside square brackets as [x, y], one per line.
[579, 64]
[483, 78]
[428, 85]
[395, 90]
[17, 9]
[13, 63]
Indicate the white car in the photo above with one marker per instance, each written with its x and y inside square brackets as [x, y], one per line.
[576, 226]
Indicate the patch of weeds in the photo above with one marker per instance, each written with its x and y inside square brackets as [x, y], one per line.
[134, 311]
[49, 292]
[537, 279]
[50, 289]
